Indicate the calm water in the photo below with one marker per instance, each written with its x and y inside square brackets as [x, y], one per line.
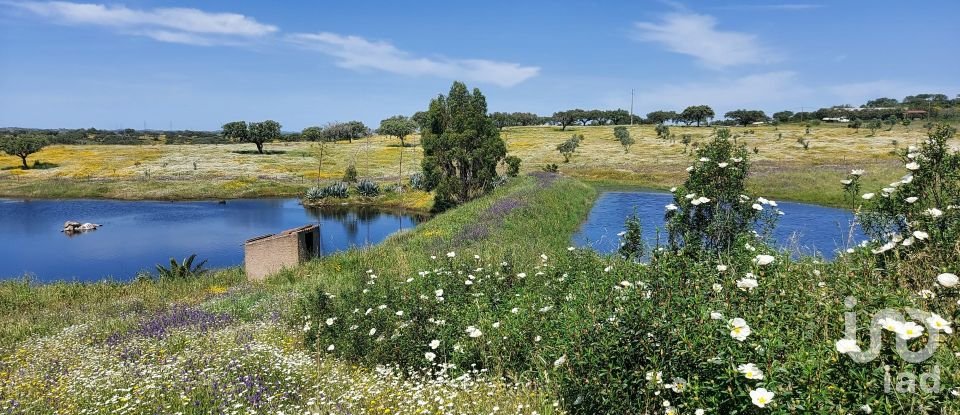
[803, 228]
[138, 235]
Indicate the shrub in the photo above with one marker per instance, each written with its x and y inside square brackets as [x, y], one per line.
[350, 174]
[623, 136]
[513, 166]
[914, 222]
[551, 168]
[567, 148]
[632, 246]
[662, 131]
[711, 210]
[368, 188]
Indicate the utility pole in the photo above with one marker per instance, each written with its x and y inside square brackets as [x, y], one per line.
[631, 106]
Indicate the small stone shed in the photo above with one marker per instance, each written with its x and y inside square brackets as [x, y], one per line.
[268, 254]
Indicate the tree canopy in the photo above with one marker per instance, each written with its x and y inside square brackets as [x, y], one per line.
[746, 117]
[345, 131]
[262, 132]
[22, 146]
[696, 114]
[398, 126]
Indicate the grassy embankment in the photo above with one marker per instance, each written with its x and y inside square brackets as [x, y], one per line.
[62, 346]
[782, 169]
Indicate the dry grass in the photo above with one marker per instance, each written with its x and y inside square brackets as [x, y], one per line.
[782, 168]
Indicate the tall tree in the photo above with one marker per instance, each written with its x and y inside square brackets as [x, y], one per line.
[746, 117]
[461, 147]
[783, 116]
[22, 146]
[262, 132]
[697, 114]
[660, 117]
[400, 127]
[420, 117]
[564, 118]
[345, 131]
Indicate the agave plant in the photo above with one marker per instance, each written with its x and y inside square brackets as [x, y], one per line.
[182, 270]
[417, 181]
[315, 193]
[338, 190]
[368, 188]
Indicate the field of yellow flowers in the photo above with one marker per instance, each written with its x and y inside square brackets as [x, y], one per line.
[783, 167]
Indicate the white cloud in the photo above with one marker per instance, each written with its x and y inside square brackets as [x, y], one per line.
[354, 52]
[177, 25]
[696, 35]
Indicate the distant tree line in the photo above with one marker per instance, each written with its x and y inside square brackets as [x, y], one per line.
[884, 109]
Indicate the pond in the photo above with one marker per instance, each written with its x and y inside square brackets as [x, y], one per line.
[803, 229]
[137, 235]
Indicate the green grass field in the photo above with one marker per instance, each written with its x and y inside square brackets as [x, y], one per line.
[782, 168]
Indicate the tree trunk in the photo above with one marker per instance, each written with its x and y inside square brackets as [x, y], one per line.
[320, 166]
[400, 179]
[259, 148]
[24, 160]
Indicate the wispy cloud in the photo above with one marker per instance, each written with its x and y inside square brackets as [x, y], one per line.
[697, 35]
[177, 25]
[750, 91]
[773, 7]
[355, 52]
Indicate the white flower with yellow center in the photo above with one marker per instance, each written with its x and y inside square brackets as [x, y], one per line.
[750, 371]
[739, 329]
[939, 323]
[910, 330]
[761, 397]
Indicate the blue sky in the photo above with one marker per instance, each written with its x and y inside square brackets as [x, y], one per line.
[197, 65]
